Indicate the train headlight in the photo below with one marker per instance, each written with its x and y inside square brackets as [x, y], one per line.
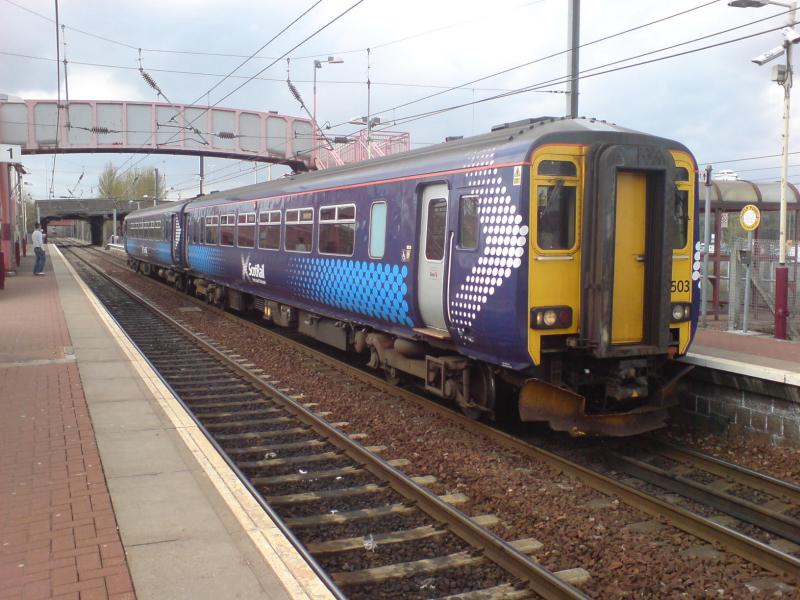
[681, 311]
[551, 317]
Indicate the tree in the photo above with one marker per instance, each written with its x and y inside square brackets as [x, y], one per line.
[133, 184]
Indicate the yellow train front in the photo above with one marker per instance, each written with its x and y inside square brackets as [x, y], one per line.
[613, 279]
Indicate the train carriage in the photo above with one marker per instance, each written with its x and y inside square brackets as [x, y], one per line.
[553, 255]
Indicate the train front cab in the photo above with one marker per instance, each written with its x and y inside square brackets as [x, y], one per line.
[610, 285]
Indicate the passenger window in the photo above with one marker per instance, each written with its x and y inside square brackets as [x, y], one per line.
[337, 230]
[377, 230]
[556, 216]
[246, 230]
[436, 225]
[299, 229]
[212, 230]
[269, 230]
[468, 223]
[226, 226]
[680, 217]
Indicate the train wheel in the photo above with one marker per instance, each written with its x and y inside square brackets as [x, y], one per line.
[392, 375]
[482, 394]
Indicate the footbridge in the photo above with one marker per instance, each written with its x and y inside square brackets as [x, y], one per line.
[42, 127]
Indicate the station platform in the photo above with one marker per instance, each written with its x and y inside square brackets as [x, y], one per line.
[754, 355]
[107, 488]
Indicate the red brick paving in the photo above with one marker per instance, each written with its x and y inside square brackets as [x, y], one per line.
[58, 535]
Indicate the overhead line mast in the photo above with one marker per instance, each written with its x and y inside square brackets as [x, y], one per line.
[574, 42]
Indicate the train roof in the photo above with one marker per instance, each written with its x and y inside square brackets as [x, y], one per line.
[167, 208]
[512, 142]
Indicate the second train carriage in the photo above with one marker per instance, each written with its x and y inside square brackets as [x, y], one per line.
[555, 255]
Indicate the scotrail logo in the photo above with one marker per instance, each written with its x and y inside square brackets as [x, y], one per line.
[252, 272]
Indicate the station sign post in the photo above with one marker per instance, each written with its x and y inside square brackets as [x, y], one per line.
[749, 219]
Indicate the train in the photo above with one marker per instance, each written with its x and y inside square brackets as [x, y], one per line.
[549, 267]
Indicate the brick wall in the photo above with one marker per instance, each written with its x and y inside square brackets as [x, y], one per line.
[733, 404]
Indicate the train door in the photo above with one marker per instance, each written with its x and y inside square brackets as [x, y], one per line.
[627, 318]
[431, 270]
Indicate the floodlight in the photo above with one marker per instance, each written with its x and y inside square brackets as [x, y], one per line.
[763, 59]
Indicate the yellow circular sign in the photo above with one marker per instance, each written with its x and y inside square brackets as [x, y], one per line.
[750, 217]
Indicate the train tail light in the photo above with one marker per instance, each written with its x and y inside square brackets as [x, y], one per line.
[551, 317]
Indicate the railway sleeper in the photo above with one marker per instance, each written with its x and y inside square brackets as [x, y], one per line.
[499, 592]
[364, 513]
[430, 566]
[301, 445]
[395, 537]
[425, 566]
[327, 474]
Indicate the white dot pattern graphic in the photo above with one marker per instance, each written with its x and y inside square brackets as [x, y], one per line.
[503, 234]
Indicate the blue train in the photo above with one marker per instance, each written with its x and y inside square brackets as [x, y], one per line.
[549, 265]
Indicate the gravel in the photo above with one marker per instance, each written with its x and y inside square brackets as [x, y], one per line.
[578, 526]
[781, 462]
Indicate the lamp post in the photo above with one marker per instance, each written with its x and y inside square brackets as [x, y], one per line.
[318, 65]
[785, 79]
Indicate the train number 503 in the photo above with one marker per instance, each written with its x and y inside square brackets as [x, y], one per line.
[681, 285]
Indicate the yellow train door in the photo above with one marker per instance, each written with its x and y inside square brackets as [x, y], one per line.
[627, 318]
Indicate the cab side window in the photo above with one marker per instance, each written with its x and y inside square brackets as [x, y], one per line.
[556, 204]
[680, 213]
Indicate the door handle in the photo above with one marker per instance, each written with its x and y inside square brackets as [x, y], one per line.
[640, 258]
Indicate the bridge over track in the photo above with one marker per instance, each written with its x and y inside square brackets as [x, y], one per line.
[158, 128]
[94, 210]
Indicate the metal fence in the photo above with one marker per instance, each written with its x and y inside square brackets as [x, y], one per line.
[749, 287]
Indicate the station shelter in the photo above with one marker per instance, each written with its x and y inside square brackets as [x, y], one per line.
[727, 199]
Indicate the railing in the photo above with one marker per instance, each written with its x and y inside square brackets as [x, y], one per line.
[381, 143]
[748, 287]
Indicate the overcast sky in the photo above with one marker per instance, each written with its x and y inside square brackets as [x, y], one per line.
[717, 102]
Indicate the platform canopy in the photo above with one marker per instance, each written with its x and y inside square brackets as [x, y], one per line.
[735, 194]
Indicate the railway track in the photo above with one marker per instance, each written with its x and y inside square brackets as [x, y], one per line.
[749, 497]
[336, 499]
[780, 497]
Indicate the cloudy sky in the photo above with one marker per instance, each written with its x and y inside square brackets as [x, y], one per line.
[714, 100]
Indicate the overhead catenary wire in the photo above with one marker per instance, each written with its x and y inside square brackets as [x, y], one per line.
[549, 56]
[233, 55]
[276, 36]
[587, 74]
[240, 86]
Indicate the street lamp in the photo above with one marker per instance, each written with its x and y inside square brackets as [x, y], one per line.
[318, 65]
[785, 79]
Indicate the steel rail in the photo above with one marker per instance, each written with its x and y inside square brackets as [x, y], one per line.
[722, 468]
[539, 579]
[751, 550]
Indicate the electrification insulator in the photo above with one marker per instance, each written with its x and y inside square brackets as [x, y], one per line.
[294, 91]
[149, 80]
[100, 130]
[225, 135]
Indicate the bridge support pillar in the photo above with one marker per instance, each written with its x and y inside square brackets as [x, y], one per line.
[96, 224]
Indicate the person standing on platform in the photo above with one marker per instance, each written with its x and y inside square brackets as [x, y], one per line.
[38, 248]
